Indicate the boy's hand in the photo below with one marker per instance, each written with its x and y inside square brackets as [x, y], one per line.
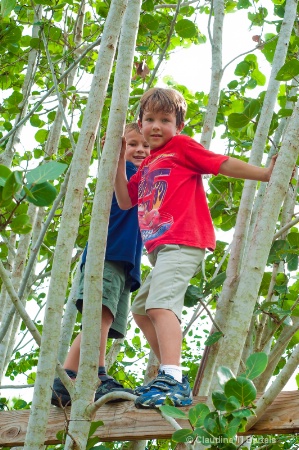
[123, 147]
[271, 166]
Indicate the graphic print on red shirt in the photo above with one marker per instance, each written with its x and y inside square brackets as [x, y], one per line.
[152, 190]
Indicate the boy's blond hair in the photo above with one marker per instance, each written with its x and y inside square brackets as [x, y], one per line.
[166, 100]
[132, 127]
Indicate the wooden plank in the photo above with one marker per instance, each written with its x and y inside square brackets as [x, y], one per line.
[123, 422]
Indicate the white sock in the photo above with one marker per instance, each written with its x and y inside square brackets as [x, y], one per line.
[174, 371]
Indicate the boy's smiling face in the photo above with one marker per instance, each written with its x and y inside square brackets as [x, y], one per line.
[159, 127]
[137, 149]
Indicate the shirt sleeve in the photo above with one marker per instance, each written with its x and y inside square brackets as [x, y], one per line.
[197, 158]
[133, 188]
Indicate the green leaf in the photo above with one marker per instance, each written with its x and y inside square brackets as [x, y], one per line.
[35, 121]
[21, 224]
[242, 69]
[12, 35]
[185, 28]
[172, 411]
[12, 185]
[149, 21]
[211, 423]
[259, 77]
[45, 172]
[91, 442]
[216, 282]
[236, 120]
[41, 136]
[94, 426]
[7, 6]
[232, 404]
[44, 194]
[197, 414]
[252, 109]
[233, 427]
[232, 84]
[278, 251]
[219, 400]
[242, 413]
[293, 262]
[148, 5]
[183, 435]
[293, 238]
[288, 71]
[213, 338]
[241, 388]
[204, 438]
[285, 112]
[224, 374]
[4, 174]
[192, 295]
[15, 98]
[255, 365]
[61, 435]
[31, 378]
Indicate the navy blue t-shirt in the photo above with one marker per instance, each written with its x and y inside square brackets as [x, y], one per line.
[124, 241]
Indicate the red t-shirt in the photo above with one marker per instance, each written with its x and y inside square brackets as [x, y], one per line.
[168, 187]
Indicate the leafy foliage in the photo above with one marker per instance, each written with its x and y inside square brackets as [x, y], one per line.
[233, 405]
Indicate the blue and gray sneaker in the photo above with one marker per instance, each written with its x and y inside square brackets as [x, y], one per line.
[139, 390]
[165, 386]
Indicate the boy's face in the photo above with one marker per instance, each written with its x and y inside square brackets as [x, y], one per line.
[137, 148]
[159, 127]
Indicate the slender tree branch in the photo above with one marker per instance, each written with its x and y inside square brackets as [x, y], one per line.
[285, 228]
[174, 5]
[61, 108]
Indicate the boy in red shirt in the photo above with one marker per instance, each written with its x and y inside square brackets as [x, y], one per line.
[176, 228]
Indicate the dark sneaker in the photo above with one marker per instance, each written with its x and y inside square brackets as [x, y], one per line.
[60, 395]
[108, 385]
[165, 386]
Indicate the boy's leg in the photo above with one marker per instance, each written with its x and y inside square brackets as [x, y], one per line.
[146, 326]
[169, 335]
[113, 287]
[175, 266]
[140, 316]
[72, 359]
[116, 292]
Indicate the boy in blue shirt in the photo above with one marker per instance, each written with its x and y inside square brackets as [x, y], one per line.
[121, 276]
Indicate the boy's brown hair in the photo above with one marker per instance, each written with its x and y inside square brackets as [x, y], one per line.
[132, 127]
[166, 100]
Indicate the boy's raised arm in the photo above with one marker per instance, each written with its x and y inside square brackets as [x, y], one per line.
[121, 182]
[236, 168]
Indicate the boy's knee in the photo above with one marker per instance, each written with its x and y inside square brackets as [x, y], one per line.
[107, 315]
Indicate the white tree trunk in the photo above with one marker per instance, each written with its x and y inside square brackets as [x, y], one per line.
[93, 289]
[69, 317]
[68, 232]
[216, 75]
[243, 219]
[246, 294]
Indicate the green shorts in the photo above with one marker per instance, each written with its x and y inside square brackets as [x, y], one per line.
[116, 295]
[166, 285]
